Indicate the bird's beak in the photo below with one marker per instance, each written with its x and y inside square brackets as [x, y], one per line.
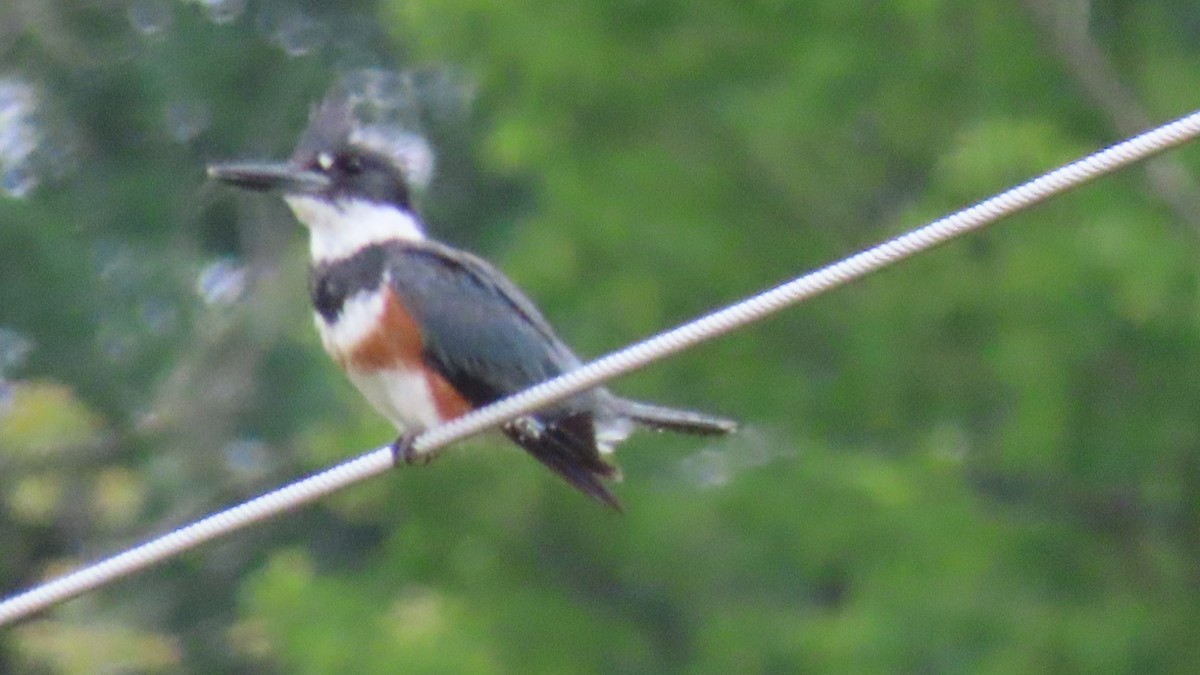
[264, 176]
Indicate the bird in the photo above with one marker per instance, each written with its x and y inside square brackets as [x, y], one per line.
[425, 331]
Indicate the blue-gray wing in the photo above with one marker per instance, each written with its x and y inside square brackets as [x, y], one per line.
[487, 340]
[479, 331]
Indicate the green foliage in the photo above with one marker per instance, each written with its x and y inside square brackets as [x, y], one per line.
[983, 460]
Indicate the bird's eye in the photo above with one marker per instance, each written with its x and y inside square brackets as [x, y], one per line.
[352, 164]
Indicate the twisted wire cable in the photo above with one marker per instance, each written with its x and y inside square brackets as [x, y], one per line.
[601, 370]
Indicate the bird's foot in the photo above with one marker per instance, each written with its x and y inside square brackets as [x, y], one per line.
[403, 452]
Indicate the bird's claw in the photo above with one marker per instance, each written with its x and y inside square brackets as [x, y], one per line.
[403, 452]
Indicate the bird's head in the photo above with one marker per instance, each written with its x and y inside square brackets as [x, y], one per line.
[350, 184]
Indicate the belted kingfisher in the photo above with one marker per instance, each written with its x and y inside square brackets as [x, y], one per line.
[425, 331]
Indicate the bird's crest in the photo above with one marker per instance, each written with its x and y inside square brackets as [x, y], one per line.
[354, 113]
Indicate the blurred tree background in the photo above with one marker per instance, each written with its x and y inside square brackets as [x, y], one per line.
[985, 460]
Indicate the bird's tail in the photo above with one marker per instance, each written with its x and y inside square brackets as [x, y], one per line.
[568, 446]
[574, 447]
[661, 418]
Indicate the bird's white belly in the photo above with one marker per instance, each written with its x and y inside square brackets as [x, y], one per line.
[402, 396]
